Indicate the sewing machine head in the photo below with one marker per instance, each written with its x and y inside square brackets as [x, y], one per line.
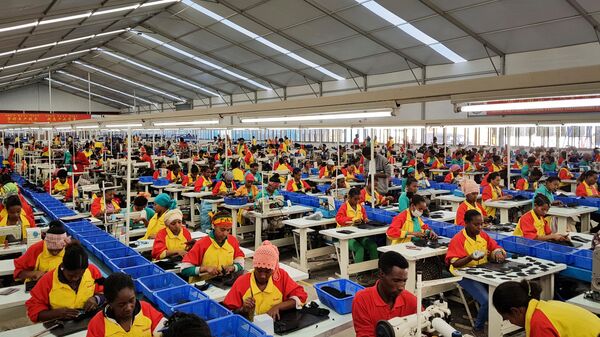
[432, 321]
[14, 231]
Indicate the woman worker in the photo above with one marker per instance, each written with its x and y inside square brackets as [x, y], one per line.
[469, 248]
[215, 254]
[42, 256]
[99, 208]
[124, 315]
[14, 215]
[172, 240]
[296, 184]
[471, 192]
[520, 304]
[533, 224]
[61, 293]
[352, 213]
[267, 289]
[225, 186]
[409, 224]
[493, 192]
[61, 185]
[162, 203]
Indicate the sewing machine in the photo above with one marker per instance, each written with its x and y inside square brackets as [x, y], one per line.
[594, 293]
[266, 204]
[14, 231]
[432, 320]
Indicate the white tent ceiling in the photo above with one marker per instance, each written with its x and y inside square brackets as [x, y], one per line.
[342, 36]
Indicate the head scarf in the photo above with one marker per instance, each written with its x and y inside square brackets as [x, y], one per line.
[56, 237]
[410, 170]
[469, 186]
[267, 256]
[10, 188]
[330, 162]
[222, 220]
[250, 177]
[172, 215]
[164, 200]
[228, 175]
[455, 168]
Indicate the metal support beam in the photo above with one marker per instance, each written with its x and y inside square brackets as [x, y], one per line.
[246, 48]
[357, 29]
[195, 50]
[590, 19]
[290, 38]
[189, 64]
[153, 65]
[462, 26]
[152, 93]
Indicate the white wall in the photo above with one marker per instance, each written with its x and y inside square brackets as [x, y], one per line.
[35, 98]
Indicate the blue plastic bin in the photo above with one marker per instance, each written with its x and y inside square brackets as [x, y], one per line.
[138, 272]
[207, 309]
[554, 252]
[169, 298]
[452, 230]
[519, 245]
[90, 240]
[125, 262]
[151, 284]
[583, 259]
[234, 326]
[341, 306]
[116, 253]
[97, 248]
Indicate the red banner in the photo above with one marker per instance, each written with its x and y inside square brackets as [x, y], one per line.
[29, 118]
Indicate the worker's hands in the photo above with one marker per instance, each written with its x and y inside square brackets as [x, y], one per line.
[66, 313]
[477, 255]
[181, 252]
[559, 237]
[358, 221]
[274, 312]
[418, 234]
[213, 271]
[248, 306]
[90, 304]
[557, 203]
[499, 255]
[506, 197]
[37, 275]
[228, 269]
[432, 235]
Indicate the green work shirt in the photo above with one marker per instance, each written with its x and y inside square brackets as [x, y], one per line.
[544, 191]
[403, 202]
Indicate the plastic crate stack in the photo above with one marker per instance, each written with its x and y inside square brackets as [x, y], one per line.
[167, 291]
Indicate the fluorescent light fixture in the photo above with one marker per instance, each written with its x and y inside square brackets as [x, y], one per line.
[131, 125]
[27, 72]
[411, 30]
[246, 129]
[66, 18]
[201, 60]
[47, 45]
[320, 117]
[95, 126]
[45, 59]
[160, 92]
[550, 103]
[257, 38]
[158, 72]
[107, 88]
[208, 122]
[25, 25]
[63, 128]
[92, 94]
[86, 15]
